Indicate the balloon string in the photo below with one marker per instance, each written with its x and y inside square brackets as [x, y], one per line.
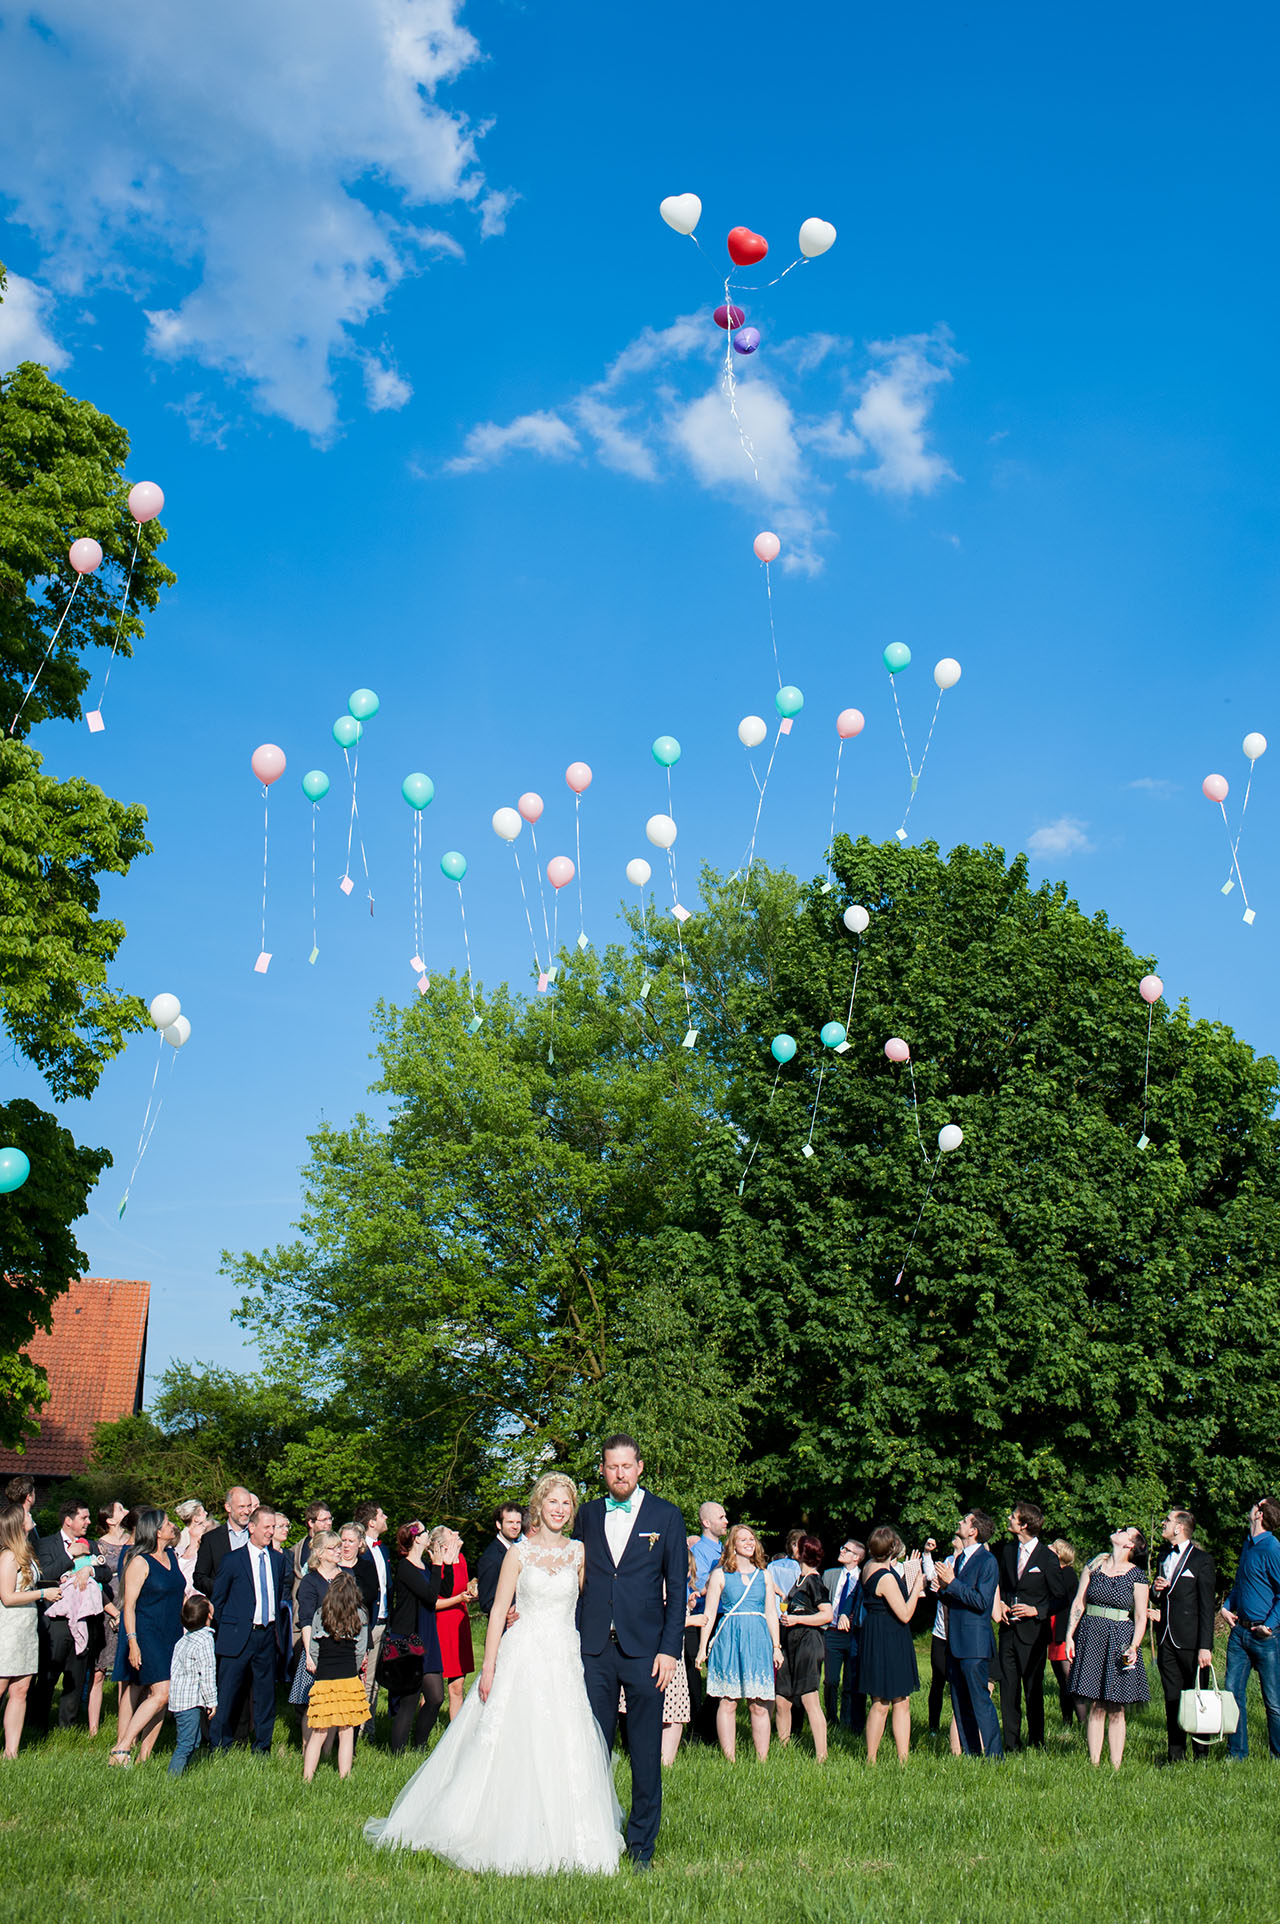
[466, 943]
[760, 1138]
[525, 899]
[542, 893]
[834, 798]
[577, 849]
[1243, 808]
[48, 651]
[145, 1133]
[684, 976]
[355, 817]
[1235, 860]
[1146, 1067]
[857, 964]
[768, 588]
[314, 944]
[915, 1107]
[801, 260]
[415, 857]
[822, 1070]
[266, 816]
[755, 830]
[731, 387]
[919, 1218]
[351, 823]
[120, 617]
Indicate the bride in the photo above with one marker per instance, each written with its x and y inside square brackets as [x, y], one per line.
[521, 1780]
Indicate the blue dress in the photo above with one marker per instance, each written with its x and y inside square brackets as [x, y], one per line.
[158, 1620]
[887, 1655]
[740, 1653]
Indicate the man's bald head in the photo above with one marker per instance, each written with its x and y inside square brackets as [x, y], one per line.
[713, 1520]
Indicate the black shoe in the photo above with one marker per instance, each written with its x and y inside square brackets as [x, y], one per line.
[639, 1863]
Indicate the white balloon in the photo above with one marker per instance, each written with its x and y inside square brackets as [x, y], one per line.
[507, 822]
[165, 1010]
[638, 871]
[177, 1032]
[947, 672]
[816, 236]
[950, 1137]
[1254, 746]
[683, 212]
[751, 731]
[661, 830]
[856, 919]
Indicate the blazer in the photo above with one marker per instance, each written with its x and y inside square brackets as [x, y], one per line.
[1187, 1609]
[215, 1547]
[412, 1587]
[969, 1599]
[488, 1570]
[642, 1597]
[1044, 1583]
[235, 1598]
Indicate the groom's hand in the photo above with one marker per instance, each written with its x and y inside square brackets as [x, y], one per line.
[664, 1669]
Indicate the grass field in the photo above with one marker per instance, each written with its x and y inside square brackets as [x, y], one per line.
[1044, 1836]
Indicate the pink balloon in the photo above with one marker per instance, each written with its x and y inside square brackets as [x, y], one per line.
[1216, 787]
[267, 763]
[896, 1049]
[1151, 988]
[531, 806]
[559, 871]
[850, 721]
[145, 501]
[578, 776]
[767, 547]
[84, 555]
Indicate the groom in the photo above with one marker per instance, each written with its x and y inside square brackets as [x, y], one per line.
[631, 1622]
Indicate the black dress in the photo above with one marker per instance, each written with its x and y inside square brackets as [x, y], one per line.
[803, 1645]
[887, 1656]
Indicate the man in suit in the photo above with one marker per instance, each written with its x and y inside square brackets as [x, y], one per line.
[59, 1658]
[844, 1592]
[1032, 1585]
[218, 1543]
[1183, 1593]
[508, 1521]
[319, 1518]
[246, 1606]
[968, 1585]
[631, 1622]
[371, 1518]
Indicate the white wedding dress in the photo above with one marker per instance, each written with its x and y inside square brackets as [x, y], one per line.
[521, 1783]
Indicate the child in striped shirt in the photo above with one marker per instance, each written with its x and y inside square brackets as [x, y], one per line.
[193, 1686]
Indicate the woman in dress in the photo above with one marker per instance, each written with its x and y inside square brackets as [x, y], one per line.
[741, 1642]
[19, 1644]
[112, 1543]
[805, 1616]
[1068, 1705]
[457, 1661]
[886, 1653]
[151, 1610]
[1104, 1640]
[521, 1781]
[194, 1519]
[316, 1578]
[417, 1588]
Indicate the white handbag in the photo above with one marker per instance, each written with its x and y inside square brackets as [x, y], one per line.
[1207, 1712]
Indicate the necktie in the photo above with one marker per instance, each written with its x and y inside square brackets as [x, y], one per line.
[1023, 1553]
[842, 1602]
[612, 1503]
[262, 1586]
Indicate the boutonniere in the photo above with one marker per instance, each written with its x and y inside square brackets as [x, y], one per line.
[651, 1536]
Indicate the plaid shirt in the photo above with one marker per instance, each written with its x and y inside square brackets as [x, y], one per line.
[193, 1675]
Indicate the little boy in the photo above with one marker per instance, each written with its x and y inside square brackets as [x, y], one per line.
[193, 1687]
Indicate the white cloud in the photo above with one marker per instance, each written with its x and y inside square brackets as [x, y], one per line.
[616, 446]
[488, 443]
[384, 386]
[894, 409]
[24, 332]
[271, 160]
[1156, 785]
[1066, 836]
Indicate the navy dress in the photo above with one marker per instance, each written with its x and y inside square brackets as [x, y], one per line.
[887, 1655]
[157, 1619]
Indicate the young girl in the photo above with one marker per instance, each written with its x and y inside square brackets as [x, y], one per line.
[339, 1641]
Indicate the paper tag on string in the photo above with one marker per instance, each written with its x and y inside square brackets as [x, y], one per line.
[582, 940]
[424, 983]
[314, 953]
[843, 1048]
[645, 987]
[346, 885]
[681, 914]
[417, 964]
[825, 889]
[124, 1204]
[475, 1023]
[552, 974]
[784, 726]
[807, 1150]
[544, 983]
[1144, 1142]
[263, 963]
[690, 1038]
[95, 721]
[742, 1185]
[1249, 915]
[1228, 885]
[901, 834]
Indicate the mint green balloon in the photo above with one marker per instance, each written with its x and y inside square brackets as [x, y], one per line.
[788, 701]
[315, 785]
[833, 1034]
[897, 655]
[364, 704]
[417, 790]
[666, 751]
[453, 865]
[347, 731]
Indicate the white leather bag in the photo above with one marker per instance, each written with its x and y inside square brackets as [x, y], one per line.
[1207, 1712]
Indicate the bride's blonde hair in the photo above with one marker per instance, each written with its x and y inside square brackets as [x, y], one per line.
[542, 1489]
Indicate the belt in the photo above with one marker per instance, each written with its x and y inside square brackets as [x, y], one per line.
[1101, 1610]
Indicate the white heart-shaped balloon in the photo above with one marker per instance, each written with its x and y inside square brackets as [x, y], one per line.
[684, 211]
[816, 236]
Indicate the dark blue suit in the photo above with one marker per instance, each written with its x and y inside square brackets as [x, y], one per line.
[841, 1647]
[629, 1614]
[970, 1648]
[243, 1647]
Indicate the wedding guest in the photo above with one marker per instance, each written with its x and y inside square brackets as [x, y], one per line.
[319, 1520]
[1069, 1707]
[246, 1594]
[508, 1523]
[1184, 1594]
[194, 1519]
[322, 1567]
[740, 1641]
[1252, 1608]
[785, 1570]
[280, 1542]
[1104, 1640]
[22, 1491]
[804, 1617]
[1033, 1585]
[340, 1642]
[151, 1597]
[845, 1702]
[60, 1660]
[352, 1555]
[452, 1618]
[417, 1586]
[21, 1592]
[939, 1673]
[706, 1548]
[889, 1674]
[970, 1583]
[113, 1540]
[433, 1685]
[193, 1685]
[218, 1543]
[372, 1519]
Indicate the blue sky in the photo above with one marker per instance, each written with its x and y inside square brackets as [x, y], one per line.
[382, 295]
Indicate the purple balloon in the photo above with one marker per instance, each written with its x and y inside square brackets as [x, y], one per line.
[746, 340]
[729, 317]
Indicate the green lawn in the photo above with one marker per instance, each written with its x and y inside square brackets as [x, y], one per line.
[240, 1837]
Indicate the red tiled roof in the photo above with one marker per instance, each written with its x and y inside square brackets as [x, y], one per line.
[93, 1357]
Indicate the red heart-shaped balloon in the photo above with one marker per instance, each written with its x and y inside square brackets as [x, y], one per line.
[746, 248]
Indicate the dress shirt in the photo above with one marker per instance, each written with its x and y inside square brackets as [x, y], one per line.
[264, 1612]
[1025, 1551]
[1254, 1597]
[1169, 1561]
[379, 1556]
[236, 1539]
[707, 1552]
[618, 1525]
[785, 1572]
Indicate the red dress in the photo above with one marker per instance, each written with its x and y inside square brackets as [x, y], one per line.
[454, 1629]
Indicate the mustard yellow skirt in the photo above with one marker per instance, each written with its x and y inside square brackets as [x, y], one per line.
[337, 1703]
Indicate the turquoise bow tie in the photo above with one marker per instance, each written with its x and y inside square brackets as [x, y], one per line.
[611, 1503]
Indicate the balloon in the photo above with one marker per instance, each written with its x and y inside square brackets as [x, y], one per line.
[507, 823]
[530, 806]
[145, 500]
[363, 704]
[267, 763]
[728, 317]
[783, 1047]
[177, 1032]
[84, 555]
[559, 871]
[816, 236]
[165, 1010]
[897, 655]
[1215, 788]
[850, 721]
[950, 1136]
[947, 672]
[661, 830]
[896, 1049]
[578, 776]
[856, 919]
[746, 340]
[681, 212]
[767, 547]
[315, 784]
[417, 790]
[833, 1034]
[347, 731]
[1254, 746]
[638, 871]
[15, 1167]
[752, 731]
[1151, 988]
[666, 751]
[746, 248]
[453, 865]
[788, 701]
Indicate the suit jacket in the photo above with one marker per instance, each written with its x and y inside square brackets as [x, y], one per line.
[215, 1547]
[1044, 1583]
[235, 1598]
[642, 1597]
[969, 1599]
[1187, 1609]
[488, 1570]
[855, 1608]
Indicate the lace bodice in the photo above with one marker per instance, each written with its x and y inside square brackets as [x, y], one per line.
[547, 1587]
